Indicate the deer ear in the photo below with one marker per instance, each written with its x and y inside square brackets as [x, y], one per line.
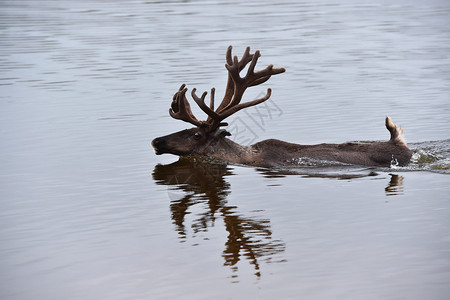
[224, 133]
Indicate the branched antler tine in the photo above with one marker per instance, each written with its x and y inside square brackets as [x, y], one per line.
[251, 68]
[174, 99]
[196, 98]
[240, 106]
[201, 103]
[175, 105]
[239, 84]
[211, 101]
[246, 58]
[229, 91]
[271, 72]
[228, 56]
[233, 70]
[236, 62]
[180, 108]
[260, 80]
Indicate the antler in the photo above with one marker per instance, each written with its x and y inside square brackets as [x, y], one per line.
[180, 108]
[235, 89]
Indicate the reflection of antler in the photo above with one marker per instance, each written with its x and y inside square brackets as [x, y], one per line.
[247, 237]
[252, 237]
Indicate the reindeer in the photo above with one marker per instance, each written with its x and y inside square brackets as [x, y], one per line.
[209, 140]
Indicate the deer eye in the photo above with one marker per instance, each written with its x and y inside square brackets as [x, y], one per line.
[197, 136]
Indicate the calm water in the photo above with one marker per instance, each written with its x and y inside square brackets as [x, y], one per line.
[87, 211]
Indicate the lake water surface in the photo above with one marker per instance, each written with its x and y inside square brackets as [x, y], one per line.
[88, 211]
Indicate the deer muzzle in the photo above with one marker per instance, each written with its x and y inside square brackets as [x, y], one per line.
[160, 146]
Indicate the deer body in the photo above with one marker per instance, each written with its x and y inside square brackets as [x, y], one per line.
[275, 153]
[207, 139]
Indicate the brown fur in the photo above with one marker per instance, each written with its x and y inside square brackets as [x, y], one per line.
[272, 152]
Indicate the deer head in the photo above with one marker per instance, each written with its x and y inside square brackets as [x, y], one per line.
[202, 138]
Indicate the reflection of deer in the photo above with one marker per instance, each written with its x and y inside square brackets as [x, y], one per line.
[207, 139]
[202, 182]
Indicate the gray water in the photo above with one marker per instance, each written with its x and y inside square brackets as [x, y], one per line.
[88, 211]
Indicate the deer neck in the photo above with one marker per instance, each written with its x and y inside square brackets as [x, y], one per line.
[227, 150]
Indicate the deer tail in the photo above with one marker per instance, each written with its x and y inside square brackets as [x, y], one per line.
[397, 136]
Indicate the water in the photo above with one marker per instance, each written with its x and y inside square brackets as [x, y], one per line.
[88, 211]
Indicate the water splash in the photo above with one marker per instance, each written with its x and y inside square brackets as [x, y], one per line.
[431, 156]
[394, 163]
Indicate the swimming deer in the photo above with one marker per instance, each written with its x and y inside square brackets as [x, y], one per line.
[209, 140]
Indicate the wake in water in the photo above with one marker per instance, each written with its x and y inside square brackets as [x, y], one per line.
[431, 156]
